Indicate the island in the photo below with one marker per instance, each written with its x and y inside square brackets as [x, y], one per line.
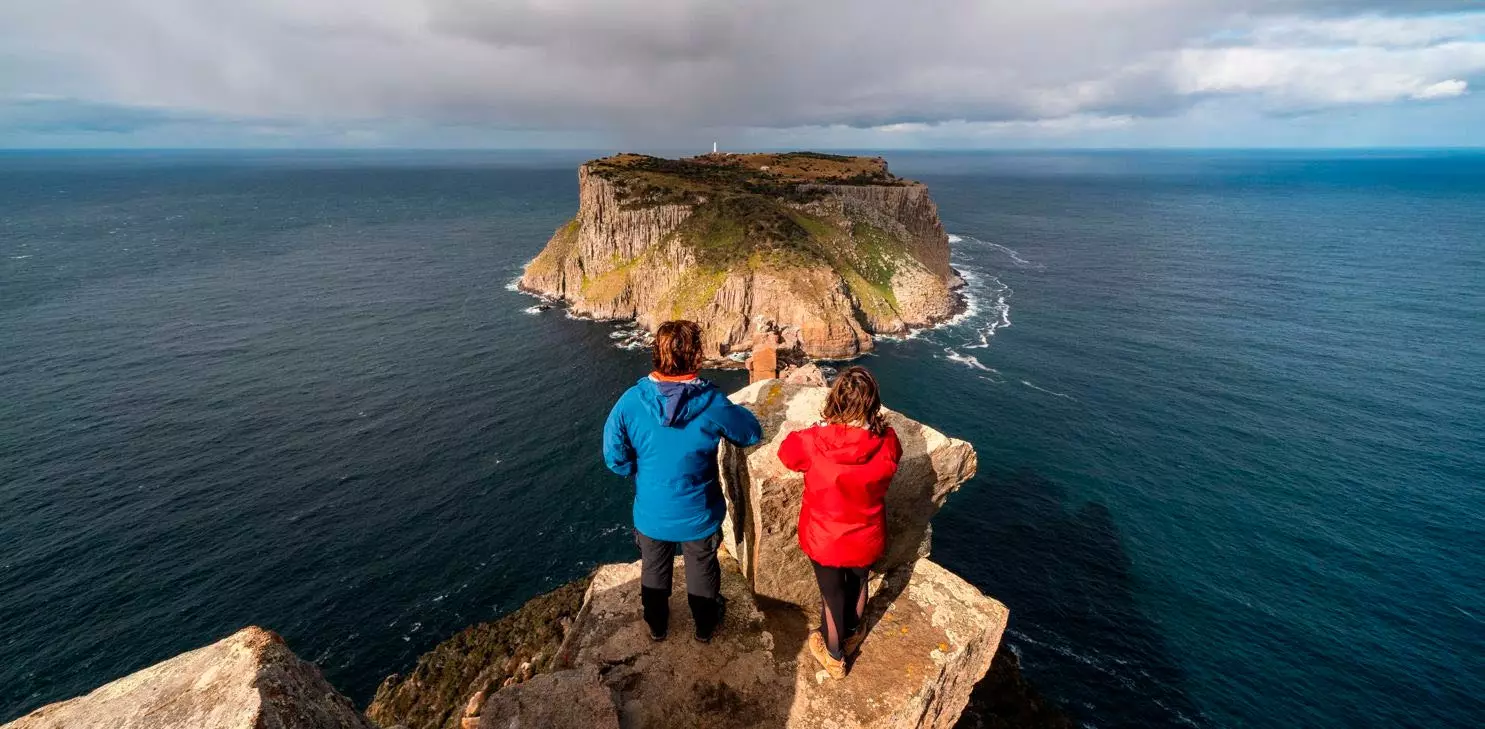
[822, 252]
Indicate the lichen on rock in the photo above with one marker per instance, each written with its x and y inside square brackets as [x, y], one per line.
[248, 680]
[763, 497]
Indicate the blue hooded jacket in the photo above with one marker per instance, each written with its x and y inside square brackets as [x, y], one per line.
[666, 434]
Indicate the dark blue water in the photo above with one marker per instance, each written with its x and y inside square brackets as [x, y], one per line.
[1228, 407]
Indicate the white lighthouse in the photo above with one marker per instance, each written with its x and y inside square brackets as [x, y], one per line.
[714, 147]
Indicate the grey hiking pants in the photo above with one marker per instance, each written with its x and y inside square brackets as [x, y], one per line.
[703, 583]
[703, 572]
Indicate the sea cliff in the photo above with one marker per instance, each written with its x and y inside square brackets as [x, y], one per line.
[581, 656]
[825, 250]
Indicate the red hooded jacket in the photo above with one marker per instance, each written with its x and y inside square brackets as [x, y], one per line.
[842, 520]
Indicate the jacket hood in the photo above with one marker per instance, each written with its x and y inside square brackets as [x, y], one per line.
[846, 445]
[676, 403]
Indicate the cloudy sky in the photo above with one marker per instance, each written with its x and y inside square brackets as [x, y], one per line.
[760, 73]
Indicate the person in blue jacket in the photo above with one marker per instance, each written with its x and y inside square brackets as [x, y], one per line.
[664, 431]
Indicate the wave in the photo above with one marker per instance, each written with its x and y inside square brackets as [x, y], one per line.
[1013, 254]
[968, 360]
[1062, 648]
[515, 285]
[1049, 392]
[533, 309]
[999, 312]
[20, 258]
[632, 337]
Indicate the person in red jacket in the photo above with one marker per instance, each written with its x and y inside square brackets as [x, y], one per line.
[848, 461]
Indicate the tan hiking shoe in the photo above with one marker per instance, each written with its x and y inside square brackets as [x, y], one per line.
[836, 667]
[853, 643]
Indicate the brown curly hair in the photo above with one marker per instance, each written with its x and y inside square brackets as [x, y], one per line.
[854, 398]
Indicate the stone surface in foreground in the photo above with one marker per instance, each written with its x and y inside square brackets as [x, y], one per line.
[763, 497]
[573, 698]
[249, 680]
[932, 636]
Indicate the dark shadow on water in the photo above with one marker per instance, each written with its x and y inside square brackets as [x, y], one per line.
[1076, 620]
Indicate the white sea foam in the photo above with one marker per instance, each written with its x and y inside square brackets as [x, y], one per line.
[1015, 257]
[20, 258]
[998, 315]
[1049, 392]
[1010, 252]
[1062, 648]
[968, 360]
[533, 309]
[632, 337]
[514, 285]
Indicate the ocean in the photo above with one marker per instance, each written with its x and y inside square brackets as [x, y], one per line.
[1228, 407]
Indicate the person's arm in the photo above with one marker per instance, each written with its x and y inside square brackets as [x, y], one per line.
[618, 454]
[793, 454]
[738, 424]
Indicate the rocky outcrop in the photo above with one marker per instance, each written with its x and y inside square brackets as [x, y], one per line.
[576, 698]
[831, 250]
[763, 497]
[249, 680]
[904, 211]
[931, 637]
[1004, 699]
[479, 660]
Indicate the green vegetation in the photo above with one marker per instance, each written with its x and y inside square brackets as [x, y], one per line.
[644, 181]
[609, 284]
[748, 212]
[479, 658]
[694, 293]
[551, 258]
[875, 255]
[729, 229]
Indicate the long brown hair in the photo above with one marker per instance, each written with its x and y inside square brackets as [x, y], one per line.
[855, 399]
[677, 348]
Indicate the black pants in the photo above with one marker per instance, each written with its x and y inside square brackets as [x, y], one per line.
[842, 601]
[703, 581]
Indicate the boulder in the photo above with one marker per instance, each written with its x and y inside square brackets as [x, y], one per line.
[572, 699]
[761, 527]
[805, 374]
[931, 636]
[249, 680]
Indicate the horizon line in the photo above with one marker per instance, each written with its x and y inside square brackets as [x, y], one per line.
[754, 150]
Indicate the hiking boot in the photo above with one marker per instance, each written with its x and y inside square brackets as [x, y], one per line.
[708, 614]
[853, 643]
[656, 604]
[836, 667]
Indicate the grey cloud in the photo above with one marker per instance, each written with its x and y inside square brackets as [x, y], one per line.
[57, 114]
[657, 67]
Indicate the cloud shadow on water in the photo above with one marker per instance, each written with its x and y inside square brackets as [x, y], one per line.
[1076, 617]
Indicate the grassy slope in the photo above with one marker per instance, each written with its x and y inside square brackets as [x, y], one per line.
[746, 213]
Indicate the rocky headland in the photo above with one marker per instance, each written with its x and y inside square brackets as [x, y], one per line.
[823, 250]
[580, 656]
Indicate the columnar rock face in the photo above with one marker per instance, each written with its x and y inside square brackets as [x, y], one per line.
[250, 680]
[763, 497]
[829, 249]
[931, 636]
